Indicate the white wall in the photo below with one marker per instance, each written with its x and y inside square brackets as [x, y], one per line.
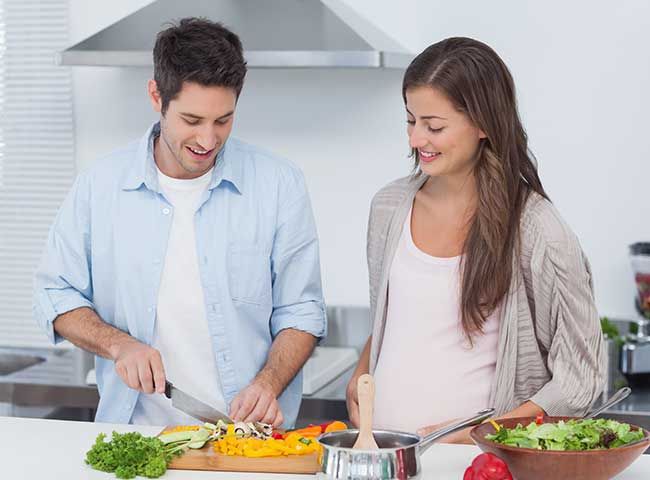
[581, 70]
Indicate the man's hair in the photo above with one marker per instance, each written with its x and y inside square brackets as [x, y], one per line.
[197, 50]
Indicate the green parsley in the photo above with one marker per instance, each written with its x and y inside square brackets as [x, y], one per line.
[128, 455]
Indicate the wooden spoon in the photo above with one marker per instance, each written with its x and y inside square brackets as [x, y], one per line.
[366, 394]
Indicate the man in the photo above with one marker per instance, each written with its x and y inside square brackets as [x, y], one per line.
[188, 256]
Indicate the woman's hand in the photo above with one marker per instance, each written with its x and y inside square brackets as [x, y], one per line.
[462, 436]
[527, 409]
[352, 399]
[351, 394]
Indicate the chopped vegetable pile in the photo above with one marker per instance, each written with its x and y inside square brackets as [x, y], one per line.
[588, 434]
[293, 444]
[129, 454]
[296, 442]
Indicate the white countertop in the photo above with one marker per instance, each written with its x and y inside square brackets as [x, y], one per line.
[35, 448]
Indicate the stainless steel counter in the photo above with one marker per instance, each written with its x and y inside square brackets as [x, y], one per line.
[60, 381]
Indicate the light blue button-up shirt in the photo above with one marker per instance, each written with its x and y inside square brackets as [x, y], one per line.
[257, 250]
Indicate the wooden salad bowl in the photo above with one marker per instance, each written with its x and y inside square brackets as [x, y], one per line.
[532, 464]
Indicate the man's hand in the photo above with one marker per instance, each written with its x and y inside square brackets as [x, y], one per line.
[139, 366]
[256, 403]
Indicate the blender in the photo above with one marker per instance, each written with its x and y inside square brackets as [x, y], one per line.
[635, 353]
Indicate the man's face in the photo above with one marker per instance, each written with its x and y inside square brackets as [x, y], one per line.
[194, 128]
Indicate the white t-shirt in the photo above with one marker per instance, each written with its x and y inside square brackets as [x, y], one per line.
[181, 330]
[426, 372]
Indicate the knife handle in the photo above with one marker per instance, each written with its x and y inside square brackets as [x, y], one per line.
[168, 389]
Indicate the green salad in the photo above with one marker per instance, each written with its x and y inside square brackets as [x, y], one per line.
[570, 435]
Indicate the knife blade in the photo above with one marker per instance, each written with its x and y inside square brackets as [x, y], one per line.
[193, 407]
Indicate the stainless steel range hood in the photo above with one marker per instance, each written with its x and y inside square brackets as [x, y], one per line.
[275, 34]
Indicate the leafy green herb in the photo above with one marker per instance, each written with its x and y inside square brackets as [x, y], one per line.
[589, 434]
[610, 330]
[129, 454]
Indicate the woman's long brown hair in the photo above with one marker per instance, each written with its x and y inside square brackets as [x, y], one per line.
[478, 83]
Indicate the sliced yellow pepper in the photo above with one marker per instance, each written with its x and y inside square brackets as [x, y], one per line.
[271, 447]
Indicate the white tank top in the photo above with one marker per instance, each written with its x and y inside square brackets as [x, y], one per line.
[181, 331]
[426, 372]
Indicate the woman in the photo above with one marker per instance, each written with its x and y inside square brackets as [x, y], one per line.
[480, 294]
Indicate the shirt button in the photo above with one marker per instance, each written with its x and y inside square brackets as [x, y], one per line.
[166, 211]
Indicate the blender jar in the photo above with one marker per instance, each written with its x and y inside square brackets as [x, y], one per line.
[640, 257]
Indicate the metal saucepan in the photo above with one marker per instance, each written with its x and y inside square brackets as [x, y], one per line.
[398, 456]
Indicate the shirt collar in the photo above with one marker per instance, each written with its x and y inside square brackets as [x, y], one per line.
[143, 169]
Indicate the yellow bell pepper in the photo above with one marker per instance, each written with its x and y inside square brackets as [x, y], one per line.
[262, 452]
[294, 444]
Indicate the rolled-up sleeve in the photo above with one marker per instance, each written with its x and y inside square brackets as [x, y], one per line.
[295, 266]
[567, 321]
[62, 281]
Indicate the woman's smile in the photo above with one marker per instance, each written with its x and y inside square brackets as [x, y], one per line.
[428, 157]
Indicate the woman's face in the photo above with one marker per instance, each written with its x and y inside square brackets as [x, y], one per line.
[446, 140]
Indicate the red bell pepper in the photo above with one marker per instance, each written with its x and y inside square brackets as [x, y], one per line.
[539, 418]
[323, 426]
[487, 467]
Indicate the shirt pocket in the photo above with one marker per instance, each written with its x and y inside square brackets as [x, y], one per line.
[249, 274]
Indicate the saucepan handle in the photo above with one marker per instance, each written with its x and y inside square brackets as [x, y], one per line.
[427, 441]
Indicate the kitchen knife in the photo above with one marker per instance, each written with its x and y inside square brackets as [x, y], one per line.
[193, 407]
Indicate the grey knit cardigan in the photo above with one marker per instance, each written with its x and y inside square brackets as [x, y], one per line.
[550, 347]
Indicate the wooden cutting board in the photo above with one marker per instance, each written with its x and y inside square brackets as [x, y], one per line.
[207, 459]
